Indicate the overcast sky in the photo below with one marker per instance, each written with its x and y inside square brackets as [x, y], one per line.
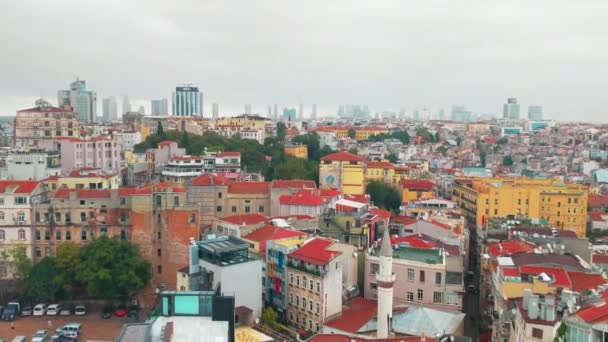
[387, 54]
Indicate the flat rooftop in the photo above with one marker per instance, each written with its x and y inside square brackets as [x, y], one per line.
[425, 255]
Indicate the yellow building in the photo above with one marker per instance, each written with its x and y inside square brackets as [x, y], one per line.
[254, 122]
[344, 171]
[413, 189]
[362, 133]
[84, 179]
[563, 206]
[381, 171]
[298, 151]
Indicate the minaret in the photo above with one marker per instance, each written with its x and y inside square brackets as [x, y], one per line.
[385, 279]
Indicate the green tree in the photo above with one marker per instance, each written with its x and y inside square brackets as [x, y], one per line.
[41, 284]
[111, 268]
[270, 318]
[402, 136]
[325, 151]
[383, 195]
[296, 168]
[281, 129]
[311, 140]
[502, 141]
[560, 334]
[442, 149]
[185, 142]
[507, 160]
[23, 264]
[351, 133]
[393, 158]
[437, 137]
[66, 262]
[160, 131]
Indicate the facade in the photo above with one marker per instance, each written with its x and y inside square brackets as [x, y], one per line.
[510, 109]
[461, 114]
[215, 111]
[40, 125]
[315, 284]
[126, 105]
[84, 179]
[17, 199]
[81, 100]
[344, 171]
[109, 109]
[30, 164]
[102, 152]
[535, 113]
[297, 150]
[164, 152]
[561, 205]
[187, 101]
[127, 139]
[224, 261]
[179, 169]
[414, 189]
[159, 107]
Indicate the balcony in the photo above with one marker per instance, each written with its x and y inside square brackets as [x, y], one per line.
[303, 268]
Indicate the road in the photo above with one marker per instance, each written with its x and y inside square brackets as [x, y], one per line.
[471, 304]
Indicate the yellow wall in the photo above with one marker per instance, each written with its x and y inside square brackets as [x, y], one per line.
[72, 182]
[408, 195]
[364, 133]
[379, 174]
[298, 151]
[516, 290]
[349, 178]
[563, 205]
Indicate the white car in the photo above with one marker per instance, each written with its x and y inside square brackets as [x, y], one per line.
[53, 309]
[39, 310]
[41, 336]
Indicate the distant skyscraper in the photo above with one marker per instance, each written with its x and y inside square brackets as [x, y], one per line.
[187, 101]
[416, 115]
[109, 109]
[275, 112]
[535, 113]
[141, 110]
[510, 110]
[441, 115]
[247, 109]
[83, 101]
[215, 111]
[288, 114]
[126, 104]
[313, 115]
[269, 114]
[461, 114]
[301, 112]
[159, 107]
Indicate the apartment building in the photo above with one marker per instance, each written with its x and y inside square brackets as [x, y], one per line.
[85, 178]
[315, 284]
[40, 125]
[552, 201]
[17, 199]
[180, 169]
[343, 171]
[102, 152]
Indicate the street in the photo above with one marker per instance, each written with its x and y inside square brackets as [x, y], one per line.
[471, 304]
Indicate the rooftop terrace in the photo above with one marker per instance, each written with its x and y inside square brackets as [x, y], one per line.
[425, 255]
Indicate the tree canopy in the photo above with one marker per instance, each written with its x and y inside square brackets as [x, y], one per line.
[383, 195]
[507, 160]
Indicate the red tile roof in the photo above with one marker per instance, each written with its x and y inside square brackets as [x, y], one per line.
[229, 154]
[380, 164]
[296, 217]
[50, 109]
[405, 220]
[316, 252]
[596, 215]
[355, 314]
[413, 241]
[600, 259]
[249, 188]
[126, 191]
[598, 200]
[585, 281]
[362, 198]
[346, 338]
[416, 184]
[303, 197]
[166, 143]
[269, 233]
[510, 272]
[328, 192]
[159, 187]
[343, 156]
[509, 247]
[293, 183]
[384, 215]
[246, 219]
[594, 313]
[18, 186]
[560, 276]
[83, 193]
[208, 179]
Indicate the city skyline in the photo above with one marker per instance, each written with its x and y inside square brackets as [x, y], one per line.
[477, 68]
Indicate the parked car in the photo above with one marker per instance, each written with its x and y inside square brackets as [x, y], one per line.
[66, 310]
[80, 310]
[27, 311]
[41, 336]
[71, 330]
[39, 310]
[10, 311]
[53, 309]
[20, 338]
[106, 312]
[121, 311]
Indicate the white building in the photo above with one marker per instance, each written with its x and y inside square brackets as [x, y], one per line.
[16, 199]
[226, 261]
[328, 138]
[29, 165]
[128, 139]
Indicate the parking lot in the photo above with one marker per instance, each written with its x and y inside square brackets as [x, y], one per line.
[93, 327]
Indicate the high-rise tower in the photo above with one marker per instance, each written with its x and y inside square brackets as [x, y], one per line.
[385, 279]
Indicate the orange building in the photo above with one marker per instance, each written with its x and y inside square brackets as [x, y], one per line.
[298, 151]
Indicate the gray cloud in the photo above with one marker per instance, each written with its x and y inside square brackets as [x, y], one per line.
[386, 54]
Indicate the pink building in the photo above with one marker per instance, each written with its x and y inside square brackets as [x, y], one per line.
[166, 150]
[101, 152]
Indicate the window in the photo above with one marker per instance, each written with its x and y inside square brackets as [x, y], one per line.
[297, 300]
[83, 217]
[291, 298]
[410, 296]
[438, 297]
[373, 286]
[420, 295]
[159, 269]
[218, 208]
[422, 276]
[537, 333]
[83, 235]
[176, 201]
[159, 201]
[123, 201]
[219, 195]
[297, 280]
[318, 311]
[373, 268]
[1, 215]
[452, 298]
[158, 252]
[234, 208]
[47, 251]
[192, 218]
[312, 285]
[37, 234]
[21, 217]
[20, 200]
[318, 287]
[37, 252]
[304, 303]
[68, 235]
[495, 211]
[247, 209]
[58, 234]
[82, 202]
[291, 278]
[261, 209]
[2, 235]
[123, 235]
[58, 217]
[410, 274]
[21, 234]
[158, 235]
[1, 200]
[47, 235]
